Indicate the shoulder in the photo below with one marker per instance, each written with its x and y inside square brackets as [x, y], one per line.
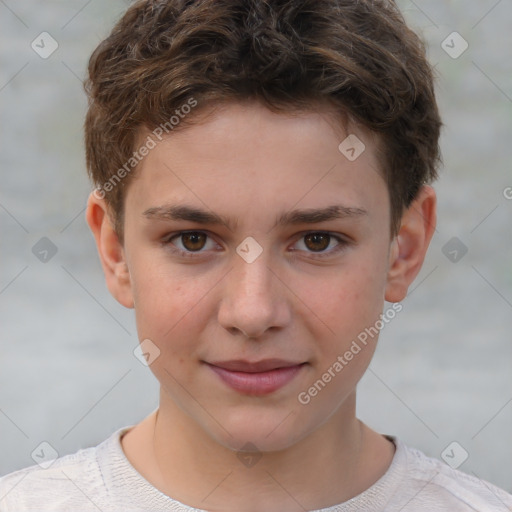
[433, 484]
[28, 488]
[71, 482]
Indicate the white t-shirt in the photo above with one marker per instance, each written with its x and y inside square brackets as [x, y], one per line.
[102, 479]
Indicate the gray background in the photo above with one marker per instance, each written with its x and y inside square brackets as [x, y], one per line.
[68, 375]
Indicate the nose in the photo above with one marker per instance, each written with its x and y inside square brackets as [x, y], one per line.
[254, 300]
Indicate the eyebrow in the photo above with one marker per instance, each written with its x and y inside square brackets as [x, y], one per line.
[200, 216]
[184, 212]
[314, 215]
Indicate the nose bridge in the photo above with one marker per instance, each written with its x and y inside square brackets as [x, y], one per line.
[252, 302]
[252, 277]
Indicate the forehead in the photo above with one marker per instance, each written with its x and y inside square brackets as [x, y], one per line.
[251, 124]
[246, 157]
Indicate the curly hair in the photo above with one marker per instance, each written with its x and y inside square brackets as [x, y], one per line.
[291, 55]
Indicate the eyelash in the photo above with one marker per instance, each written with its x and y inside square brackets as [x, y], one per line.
[342, 244]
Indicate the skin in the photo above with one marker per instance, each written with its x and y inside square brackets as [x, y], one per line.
[251, 165]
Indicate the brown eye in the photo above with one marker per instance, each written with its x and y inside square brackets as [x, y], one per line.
[317, 241]
[193, 241]
[191, 244]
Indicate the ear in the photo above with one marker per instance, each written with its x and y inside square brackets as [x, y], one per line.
[409, 247]
[110, 250]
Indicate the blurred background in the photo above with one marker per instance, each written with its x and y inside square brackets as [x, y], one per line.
[68, 375]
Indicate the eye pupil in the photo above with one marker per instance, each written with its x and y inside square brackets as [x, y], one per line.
[317, 238]
[193, 241]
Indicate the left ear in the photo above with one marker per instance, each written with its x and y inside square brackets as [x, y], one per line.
[409, 247]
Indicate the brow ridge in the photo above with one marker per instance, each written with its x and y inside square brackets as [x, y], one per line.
[293, 217]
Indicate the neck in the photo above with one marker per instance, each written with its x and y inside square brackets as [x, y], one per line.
[336, 462]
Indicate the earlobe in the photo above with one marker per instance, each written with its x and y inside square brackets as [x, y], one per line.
[110, 250]
[409, 247]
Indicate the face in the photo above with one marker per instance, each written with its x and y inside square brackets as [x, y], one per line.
[250, 238]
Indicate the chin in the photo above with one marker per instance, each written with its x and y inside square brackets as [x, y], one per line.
[274, 431]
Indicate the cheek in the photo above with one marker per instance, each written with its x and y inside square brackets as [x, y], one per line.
[167, 305]
[355, 294]
[350, 300]
[168, 313]
[349, 303]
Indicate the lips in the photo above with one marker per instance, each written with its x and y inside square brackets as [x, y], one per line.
[239, 365]
[256, 378]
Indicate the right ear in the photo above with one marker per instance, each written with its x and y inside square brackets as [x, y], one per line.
[110, 249]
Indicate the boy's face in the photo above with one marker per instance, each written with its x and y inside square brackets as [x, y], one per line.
[311, 291]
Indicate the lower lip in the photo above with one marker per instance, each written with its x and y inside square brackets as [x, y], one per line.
[261, 383]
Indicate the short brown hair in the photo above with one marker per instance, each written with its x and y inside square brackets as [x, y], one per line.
[357, 56]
